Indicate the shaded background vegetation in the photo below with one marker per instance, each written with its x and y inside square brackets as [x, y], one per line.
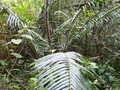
[89, 27]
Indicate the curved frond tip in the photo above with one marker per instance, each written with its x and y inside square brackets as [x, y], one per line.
[61, 71]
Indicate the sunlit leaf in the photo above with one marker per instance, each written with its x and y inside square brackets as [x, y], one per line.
[62, 71]
[27, 36]
[16, 55]
[16, 41]
[3, 62]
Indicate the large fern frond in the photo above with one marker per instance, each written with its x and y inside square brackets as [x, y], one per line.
[105, 19]
[62, 71]
[13, 20]
[15, 23]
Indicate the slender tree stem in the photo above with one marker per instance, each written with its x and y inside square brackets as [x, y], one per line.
[47, 22]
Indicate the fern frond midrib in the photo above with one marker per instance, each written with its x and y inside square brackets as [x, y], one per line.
[69, 72]
[107, 13]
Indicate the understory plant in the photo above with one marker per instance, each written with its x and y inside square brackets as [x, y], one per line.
[49, 31]
[67, 71]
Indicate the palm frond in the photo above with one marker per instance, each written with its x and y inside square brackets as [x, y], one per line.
[108, 13]
[105, 19]
[13, 20]
[61, 71]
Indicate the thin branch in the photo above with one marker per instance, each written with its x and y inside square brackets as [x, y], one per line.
[47, 21]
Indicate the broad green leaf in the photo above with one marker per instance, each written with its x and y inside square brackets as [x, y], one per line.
[16, 55]
[94, 65]
[33, 79]
[27, 36]
[16, 41]
[6, 43]
[3, 62]
[20, 31]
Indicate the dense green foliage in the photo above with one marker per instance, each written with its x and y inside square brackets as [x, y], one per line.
[33, 29]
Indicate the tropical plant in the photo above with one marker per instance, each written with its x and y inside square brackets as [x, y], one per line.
[34, 28]
[63, 71]
[80, 28]
[15, 37]
[86, 23]
[106, 72]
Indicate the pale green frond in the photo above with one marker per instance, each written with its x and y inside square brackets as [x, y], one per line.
[104, 19]
[14, 21]
[61, 71]
[108, 13]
